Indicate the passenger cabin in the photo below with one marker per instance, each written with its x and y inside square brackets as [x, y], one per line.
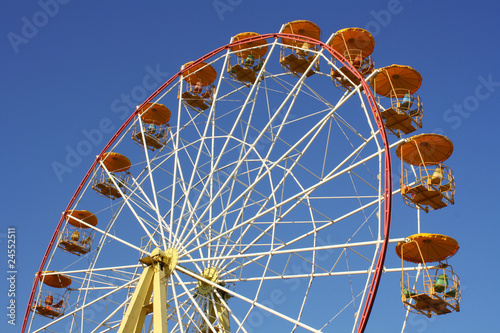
[77, 235]
[428, 184]
[356, 46]
[298, 57]
[399, 84]
[248, 58]
[52, 304]
[199, 89]
[434, 290]
[152, 126]
[113, 179]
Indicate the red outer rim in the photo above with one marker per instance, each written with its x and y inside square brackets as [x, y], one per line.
[377, 273]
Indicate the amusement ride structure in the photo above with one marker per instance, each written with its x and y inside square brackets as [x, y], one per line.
[251, 187]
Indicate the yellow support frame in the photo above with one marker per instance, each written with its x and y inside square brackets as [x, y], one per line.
[152, 282]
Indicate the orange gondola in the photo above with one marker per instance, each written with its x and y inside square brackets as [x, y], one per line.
[400, 84]
[433, 186]
[437, 290]
[52, 306]
[155, 118]
[296, 56]
[112, 182]
[76, 238]
[355, 45]
[250, 58]
[199, 90]
[53, 303]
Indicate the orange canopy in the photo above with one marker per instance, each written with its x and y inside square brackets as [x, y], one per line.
[54, 279]
[202, 72]
[303, 28]
[258, 47]
[115, 162]
[157, 114]
[353, 39]
[396, 80]
[425, 149]
[422, 248]
[82, 215]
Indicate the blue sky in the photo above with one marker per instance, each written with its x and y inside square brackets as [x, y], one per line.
[80, 67]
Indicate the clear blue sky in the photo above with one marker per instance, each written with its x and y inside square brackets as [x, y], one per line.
[70, 71]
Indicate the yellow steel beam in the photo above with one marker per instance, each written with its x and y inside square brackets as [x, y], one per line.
[159, 300]
[142, 294]
[152, 282]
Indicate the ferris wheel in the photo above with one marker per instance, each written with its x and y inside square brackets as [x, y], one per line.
[251, 192]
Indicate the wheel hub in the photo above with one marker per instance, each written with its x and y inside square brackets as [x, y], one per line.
[210, 274]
